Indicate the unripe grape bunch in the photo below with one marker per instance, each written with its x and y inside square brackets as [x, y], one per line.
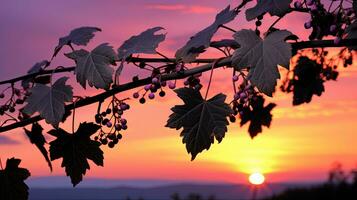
[112, 119]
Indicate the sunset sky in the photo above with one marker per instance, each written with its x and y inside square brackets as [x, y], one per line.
[301, 144]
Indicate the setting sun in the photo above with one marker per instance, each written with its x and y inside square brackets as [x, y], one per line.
[256, 178]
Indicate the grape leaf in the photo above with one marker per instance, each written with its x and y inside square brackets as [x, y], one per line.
[78, 36]
[36, 137]
[34, 69]
[274, 7]
[201, 120]
[145, 42]
[43, 79]
[118, 72]
[75, 150]
[258, 115]
[352, 33]
[12, 185]
[66, 114]
[94, 66]
[199, 42]
[262, 57]
[49, 101]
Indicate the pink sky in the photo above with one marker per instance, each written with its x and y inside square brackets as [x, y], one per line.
[301, 144]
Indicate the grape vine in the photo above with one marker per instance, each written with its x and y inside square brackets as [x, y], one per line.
[253, 56]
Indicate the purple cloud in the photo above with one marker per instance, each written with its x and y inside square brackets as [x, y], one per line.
[4, 140]
[183, 8]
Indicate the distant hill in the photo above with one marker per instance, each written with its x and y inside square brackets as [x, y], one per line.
[327, 191]
[102, 189]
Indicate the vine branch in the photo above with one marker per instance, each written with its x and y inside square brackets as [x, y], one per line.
[172, 76]
[121, 88]
[62, 69]
[231, 43]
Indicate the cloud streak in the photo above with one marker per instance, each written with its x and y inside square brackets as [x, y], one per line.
[7, 141]
[195, 9]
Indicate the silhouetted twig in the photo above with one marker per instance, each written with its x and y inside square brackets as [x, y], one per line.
[173, 76]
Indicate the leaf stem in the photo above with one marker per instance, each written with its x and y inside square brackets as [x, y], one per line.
[211, 75]
[240, 6]
[73, 115]
[162, 55]
[274, 23]
[8, 120]
[228, 28]
[53, 72]
[234, 83]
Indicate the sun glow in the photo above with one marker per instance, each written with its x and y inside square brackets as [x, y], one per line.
[256, 178]
[243, 155]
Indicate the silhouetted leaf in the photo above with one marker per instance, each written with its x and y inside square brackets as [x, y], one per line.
[78, 36]
[36, 137]
[75, 150]
[94, 66]
[12, 185]
[273, 7]
[201, 120]
[44, 79]
[38, 67]
[352, 33]
[306, 81]
[34, 69]
[118, 72]
[262, 57]
[67, 113]
[49, 101]
[199, 42]
[145, 42]
[258, 115]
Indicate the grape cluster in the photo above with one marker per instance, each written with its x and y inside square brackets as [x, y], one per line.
[16, 97]
[330, 73]
[112, 119]
[326, 22]
[157, 85]
[151, 89]
[193, 82]
[249, 106]
[346, 56]
[258, 23]
[242, 99]
[308, 77]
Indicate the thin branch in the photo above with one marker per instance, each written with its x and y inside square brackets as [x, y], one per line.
[274, 23]
[240, 6]
[324, 44]
[43, 72]
[173, 76]
[162, 55]
[232, 43]
[69, 69]
[121, 88]
[228, 28]
[304, 10]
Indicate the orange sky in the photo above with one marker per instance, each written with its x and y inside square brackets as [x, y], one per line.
[301, 144]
